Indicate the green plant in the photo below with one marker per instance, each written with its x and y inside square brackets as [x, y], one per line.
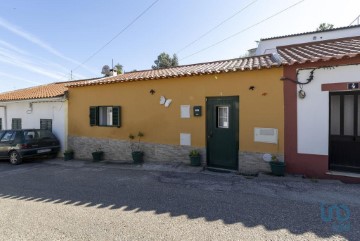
[68, 151]
[68, 154]
[135, 145]
[193, 153]
[274, 158]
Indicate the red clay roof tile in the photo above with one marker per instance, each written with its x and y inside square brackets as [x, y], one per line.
[37, 92]
[320, 51]
[231, 65]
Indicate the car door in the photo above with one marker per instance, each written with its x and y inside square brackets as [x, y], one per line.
[6, 142]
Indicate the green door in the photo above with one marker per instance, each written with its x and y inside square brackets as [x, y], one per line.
[222, 131]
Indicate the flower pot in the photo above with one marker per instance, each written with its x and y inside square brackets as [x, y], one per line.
[195, 160]
[97, 155]
[68, 156]
[138, 157]
[278, 168]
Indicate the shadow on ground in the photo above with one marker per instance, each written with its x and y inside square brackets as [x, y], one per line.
[180, 194]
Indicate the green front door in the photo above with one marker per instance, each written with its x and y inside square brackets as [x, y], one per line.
[222, 131]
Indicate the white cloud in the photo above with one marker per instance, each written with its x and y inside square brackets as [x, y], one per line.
[9, 76]
[18, 56]
[12, 59]
[30, 37]
[12, 47]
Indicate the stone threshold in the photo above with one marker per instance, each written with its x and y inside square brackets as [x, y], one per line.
[344, 174]
[223, 170]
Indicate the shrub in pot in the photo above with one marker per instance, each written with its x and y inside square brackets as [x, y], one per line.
[97, 154]
[68, 155]
[135, 146]
[195, 158]
[277, 167]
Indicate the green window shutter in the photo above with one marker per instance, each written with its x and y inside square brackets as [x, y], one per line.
[94, 117]
[116, 118]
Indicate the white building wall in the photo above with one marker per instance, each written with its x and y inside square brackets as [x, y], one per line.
[57, 111]
[269, 46]
[313, 111]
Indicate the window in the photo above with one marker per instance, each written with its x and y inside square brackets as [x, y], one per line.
[30, 135]
[105, 116]
[46, 124]
[8, 136]
[222, 113]
[16, 124]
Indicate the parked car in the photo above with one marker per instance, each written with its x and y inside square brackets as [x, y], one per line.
[19, 144]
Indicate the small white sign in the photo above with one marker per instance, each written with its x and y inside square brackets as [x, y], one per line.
[266, 135]
[185, 111]
[185, 139]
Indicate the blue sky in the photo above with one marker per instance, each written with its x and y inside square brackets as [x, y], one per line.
[41, 41]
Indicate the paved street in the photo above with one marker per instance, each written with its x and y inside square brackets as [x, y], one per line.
[76, 200]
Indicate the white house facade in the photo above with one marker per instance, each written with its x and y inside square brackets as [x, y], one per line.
[322, 108]
[49, 113]
[39, 107]
[269, 45]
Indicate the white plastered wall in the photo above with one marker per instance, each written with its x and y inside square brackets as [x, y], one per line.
[269, 46]
[55, 110]
[313, 111]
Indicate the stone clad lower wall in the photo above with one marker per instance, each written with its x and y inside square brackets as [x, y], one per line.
[119, 150]
[251, 163]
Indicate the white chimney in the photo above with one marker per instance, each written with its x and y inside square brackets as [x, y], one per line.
[113, 72]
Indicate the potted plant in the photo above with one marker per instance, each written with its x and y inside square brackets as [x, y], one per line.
[135, 146]
[97, 154]
[277, 167]
[195, 158]
[68, 155]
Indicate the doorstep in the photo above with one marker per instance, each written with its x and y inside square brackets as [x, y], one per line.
[343, 174]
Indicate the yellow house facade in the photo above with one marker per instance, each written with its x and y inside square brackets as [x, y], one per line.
[232, 109]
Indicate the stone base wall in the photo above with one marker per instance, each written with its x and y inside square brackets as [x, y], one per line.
[119, 150]
[252, 163]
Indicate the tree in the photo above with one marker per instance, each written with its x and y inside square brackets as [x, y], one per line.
[119, 68]
[325, 26]
[165, 61]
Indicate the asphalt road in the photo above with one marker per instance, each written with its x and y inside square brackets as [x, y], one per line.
[94, 201]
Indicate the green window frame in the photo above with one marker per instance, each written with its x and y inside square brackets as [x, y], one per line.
[16, 124]
[46, 124]
[108, 116]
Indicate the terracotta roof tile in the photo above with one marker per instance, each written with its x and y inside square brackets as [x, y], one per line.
[231, 65]
[38, 92]
[320, 51]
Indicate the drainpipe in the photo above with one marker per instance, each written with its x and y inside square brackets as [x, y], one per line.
[5, 116]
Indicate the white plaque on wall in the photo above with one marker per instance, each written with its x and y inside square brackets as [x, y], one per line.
[185, 111]
[185, 139]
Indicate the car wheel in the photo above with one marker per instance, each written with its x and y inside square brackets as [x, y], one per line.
[15, 158]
